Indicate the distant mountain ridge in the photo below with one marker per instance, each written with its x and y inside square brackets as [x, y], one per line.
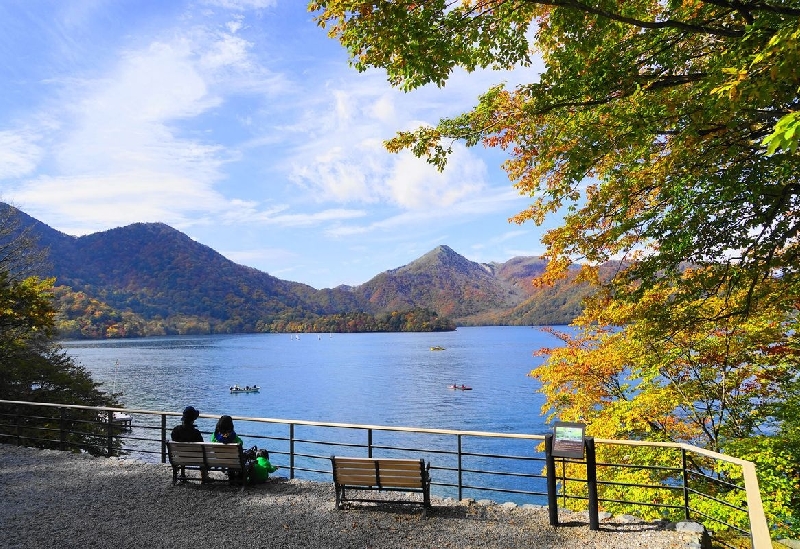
[446, 282]
[148, 278]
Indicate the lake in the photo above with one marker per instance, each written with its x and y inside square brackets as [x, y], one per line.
[391, 379]
[380, 379]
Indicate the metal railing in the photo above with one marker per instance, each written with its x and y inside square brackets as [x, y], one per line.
[463, 463]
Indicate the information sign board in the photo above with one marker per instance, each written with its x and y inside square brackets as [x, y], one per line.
[568, 439]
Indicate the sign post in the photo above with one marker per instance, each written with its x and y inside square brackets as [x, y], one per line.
[569, 441]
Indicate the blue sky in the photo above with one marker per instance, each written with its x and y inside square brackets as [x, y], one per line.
[239, 123]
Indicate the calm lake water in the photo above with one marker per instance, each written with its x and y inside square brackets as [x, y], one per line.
[379, 379]
[390, 379]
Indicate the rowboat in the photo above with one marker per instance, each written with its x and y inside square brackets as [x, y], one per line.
[245, 389]
[461, 387]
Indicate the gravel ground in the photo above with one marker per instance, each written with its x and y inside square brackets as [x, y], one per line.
[64, 500]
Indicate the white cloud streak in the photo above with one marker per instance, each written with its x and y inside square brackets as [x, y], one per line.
[19, 153]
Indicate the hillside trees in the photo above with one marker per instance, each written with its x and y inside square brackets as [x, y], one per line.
[414, 320]
[665, 133]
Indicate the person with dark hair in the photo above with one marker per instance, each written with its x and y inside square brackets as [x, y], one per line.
[186, 431]
[225, 433]
[261, 467]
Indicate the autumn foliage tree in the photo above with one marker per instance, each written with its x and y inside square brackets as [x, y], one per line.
[716, 383]
[665, 133]
[33, 367]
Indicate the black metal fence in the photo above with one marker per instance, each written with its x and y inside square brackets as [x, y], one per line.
[464, 464]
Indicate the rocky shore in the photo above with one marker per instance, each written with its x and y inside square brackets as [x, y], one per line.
[59, 499]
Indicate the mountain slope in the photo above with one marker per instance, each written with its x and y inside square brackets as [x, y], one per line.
[148, 278]
[155, 271]
[443, 281]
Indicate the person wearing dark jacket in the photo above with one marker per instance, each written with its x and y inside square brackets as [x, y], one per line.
[187, 432]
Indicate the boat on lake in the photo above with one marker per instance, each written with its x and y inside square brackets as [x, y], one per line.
[437, 348]
[245, 389]
[119, 419]
[461, 387]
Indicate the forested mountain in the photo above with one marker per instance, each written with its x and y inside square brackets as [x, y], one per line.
[150, 279]
[445, 282]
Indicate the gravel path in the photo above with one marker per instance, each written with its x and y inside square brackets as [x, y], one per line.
[58, 499]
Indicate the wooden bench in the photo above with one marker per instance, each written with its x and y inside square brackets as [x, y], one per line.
[398, 475]
[206, 456]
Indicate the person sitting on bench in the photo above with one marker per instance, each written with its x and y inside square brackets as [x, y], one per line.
[187, 432]
[225, 433]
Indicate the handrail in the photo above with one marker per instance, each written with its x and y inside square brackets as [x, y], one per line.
[759, 529]
[755, 507]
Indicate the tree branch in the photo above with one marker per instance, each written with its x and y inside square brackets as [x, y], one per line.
[669, 23]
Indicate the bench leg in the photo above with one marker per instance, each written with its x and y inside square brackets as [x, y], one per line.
[339, 497]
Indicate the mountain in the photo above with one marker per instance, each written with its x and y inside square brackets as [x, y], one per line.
[476, 293]
[150, 279]
[444, 281]
[159, 273]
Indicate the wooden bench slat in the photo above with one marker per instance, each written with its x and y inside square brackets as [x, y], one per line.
[401, 481]
[363, 475]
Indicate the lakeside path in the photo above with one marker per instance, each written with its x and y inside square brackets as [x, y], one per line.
[59, 499]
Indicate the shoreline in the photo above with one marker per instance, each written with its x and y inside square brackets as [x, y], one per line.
[75, 500]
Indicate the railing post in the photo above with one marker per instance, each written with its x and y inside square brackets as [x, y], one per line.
[550, 463]
[685, 484]
[110, 420]
[16, 425]
[460, 471]
[62, 427]
[291, 450]
[163, 438]
[591, 484]
[369, 443]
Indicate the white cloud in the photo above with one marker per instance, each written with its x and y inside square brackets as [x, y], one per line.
[414, 184]
[314, 219]
[488, 202]
[260, 256]
[342, 173]
[241, 5]
[346, 161]
[19, 153]
[249, 213]
[121, 142]
[119, 199]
